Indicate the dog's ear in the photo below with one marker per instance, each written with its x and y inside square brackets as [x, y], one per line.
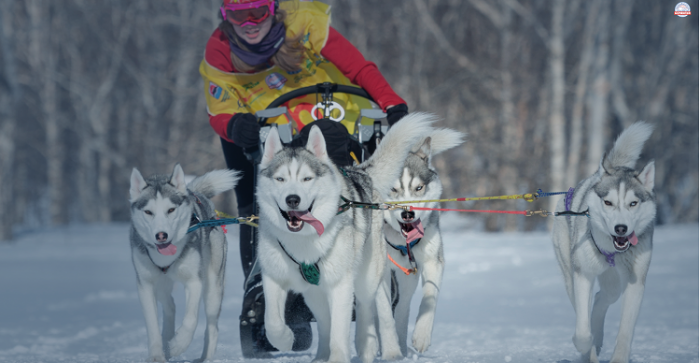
[137, 185]
[423, 151]
[273, 145]
[177, 179]
[646, 176]
[317, 144]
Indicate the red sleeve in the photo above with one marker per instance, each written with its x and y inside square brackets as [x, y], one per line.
[218, 55]
[359, 71]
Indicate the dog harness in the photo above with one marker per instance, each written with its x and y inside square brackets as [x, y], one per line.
[403, 249]
[310, 273]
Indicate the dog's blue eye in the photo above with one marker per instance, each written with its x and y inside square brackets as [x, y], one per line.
[607, 202]
[148, 212]
[171, 210]
[418, 189]
[308, 178]
[633, 204]
[279, 179]
[394, 190]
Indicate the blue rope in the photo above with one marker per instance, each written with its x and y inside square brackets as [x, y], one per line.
[541, 194]
[213, 223]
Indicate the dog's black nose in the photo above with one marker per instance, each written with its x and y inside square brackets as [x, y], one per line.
[408, 216]
[293, 201]
[621, 229]
[162, 237]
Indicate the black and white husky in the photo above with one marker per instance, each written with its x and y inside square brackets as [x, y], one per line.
[421, 229]
[613, 245]
[162, 208]
[307, 247]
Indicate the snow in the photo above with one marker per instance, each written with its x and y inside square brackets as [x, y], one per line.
[69, 295]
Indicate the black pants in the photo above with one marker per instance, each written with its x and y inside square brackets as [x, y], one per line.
[245, 190]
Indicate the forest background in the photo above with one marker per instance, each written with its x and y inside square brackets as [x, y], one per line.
[91, 89]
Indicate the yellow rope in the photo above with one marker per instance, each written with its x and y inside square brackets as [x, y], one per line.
[530, 197]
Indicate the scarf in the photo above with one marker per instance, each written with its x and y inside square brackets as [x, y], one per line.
[263, 51]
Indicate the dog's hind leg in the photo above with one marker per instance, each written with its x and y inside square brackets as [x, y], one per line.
[164, 295]
[610, 289]
[385, 317]
[183, 336]
[432, 278]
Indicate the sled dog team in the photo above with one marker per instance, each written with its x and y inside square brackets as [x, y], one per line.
[358, 259]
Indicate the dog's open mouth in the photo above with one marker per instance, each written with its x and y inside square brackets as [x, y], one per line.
[413, 230]
[167, 248]
[623, 243]
[296, 219]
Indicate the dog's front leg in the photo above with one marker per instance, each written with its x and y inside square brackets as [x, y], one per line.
[183, 336]
[432, 278]
[340, 298]
[150, 313]
[583, 339]
[278, 333]
[631, 302]
[387, 325]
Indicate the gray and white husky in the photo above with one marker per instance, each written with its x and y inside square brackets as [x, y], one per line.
[162, 208]
[307, 247]
[613, 245]
[419, 181]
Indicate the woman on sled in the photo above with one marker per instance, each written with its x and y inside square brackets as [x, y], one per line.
[261, 50]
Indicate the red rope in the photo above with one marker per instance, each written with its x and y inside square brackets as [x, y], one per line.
[471, 210]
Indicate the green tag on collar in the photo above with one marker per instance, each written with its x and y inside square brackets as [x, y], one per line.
[310, 273]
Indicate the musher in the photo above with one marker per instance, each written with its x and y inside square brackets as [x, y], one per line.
[261, 50]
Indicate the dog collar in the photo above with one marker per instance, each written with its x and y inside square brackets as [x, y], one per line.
[310, 273]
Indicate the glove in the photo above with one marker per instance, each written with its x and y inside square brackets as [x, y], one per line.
[244, 130]
[395, 113]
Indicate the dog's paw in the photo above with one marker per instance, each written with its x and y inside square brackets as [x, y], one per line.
[421, 338]
[281, 338]
[590, 357]
[391, 355]
[178, 345]
[156, 358]
[583, 343]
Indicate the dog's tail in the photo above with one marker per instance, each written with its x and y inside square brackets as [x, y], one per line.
[628, 146]
[386, 163]
[442, 140]
[214, 182]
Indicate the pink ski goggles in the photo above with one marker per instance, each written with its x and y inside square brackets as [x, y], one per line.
[251, 13]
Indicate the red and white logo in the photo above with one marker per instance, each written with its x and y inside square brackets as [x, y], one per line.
[682, 9]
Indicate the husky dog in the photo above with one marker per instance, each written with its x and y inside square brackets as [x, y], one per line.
[613, 245]
[421, 230]
[307, 246]
[163, 252]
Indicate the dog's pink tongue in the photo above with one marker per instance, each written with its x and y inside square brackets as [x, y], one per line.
[308, 218]
[417, 231]
[633, 239]
[167, 249]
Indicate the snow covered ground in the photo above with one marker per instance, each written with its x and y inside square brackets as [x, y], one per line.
[69, 295]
